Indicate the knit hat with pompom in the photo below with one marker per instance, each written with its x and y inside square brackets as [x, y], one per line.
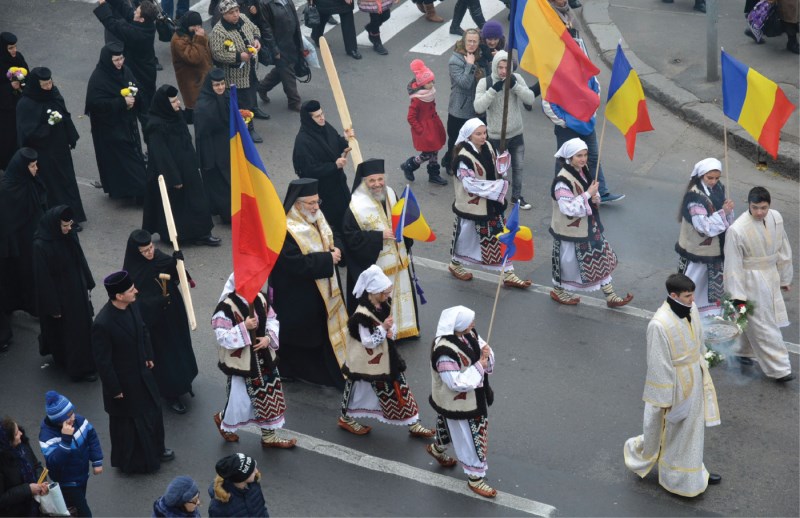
[422, 74]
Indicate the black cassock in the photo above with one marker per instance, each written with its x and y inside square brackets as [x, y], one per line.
[165, 317]
[172, 154]
[22, 203]
[211, 131]
[63, 281]
[121, 345]
[8, 104]
[306, 351]
[53, 143]
[115, 130]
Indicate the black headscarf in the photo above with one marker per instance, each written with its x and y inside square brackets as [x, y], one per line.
[325, 136]
[106, 80]
[64, 246]
[31, 115]
[144, 273]
[22, 195]
[8, 95]
[212, 111]
[161, 106]
[8, 452]
[34, 90]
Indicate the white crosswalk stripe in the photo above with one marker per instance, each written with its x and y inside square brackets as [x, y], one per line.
[402, 16]
[441, 41]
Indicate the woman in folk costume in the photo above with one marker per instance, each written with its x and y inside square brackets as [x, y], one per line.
[376, 386]
[462, 361]
[705, 216]
[582, 258]
[479, 205]
[247, 346]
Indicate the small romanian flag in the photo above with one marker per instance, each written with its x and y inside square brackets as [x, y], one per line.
[258, 220]
[755, 102]
[546, 49]
[408, 221]
[626, 108]
[516, 241]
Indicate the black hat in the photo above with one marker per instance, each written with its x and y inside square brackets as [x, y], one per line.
[193, 18]
[141, 237]
[366, 168]
[299, 189]
[67, 214]
[8, 38]
[117, 282]
[236, 467]
[311, 106]
[42, 73]
[115, 48]
[216, 74]
[169, 90]
[29, 154]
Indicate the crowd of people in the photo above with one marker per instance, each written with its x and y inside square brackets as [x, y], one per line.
[139, 345]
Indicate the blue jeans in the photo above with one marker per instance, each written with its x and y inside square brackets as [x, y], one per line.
[516, 148]
[167, 5]
[565, 134]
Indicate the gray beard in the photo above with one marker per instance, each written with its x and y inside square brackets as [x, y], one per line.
[381, 196]
[311, 218]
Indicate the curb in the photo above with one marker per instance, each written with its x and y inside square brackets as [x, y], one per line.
[704, 115]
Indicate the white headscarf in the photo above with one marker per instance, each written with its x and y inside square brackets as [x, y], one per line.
[468, 129]
[373, 280]
[706, 165]
[457, 318]
[230, 287]
[571, 148]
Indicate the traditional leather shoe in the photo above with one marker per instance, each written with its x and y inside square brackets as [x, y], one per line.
[788, 377]
[567, 302]
[417, 430]
[354, 427]
[355, 54]
[459, 272]
[258, 113]
[228, 436]
[442, 458]
[482, 488]
[619, 303]
[177, 406]
[714, 479]
[167, 455]
[209, 240]
[283, 444]
[512, 281]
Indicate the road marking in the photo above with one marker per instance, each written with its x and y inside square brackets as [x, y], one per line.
[429, 478]
[402, 16]
[441, 41]
[545, 290]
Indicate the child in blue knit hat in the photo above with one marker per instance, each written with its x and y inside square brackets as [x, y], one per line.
[69, 444]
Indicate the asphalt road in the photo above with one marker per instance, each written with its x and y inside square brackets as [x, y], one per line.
[568, 380]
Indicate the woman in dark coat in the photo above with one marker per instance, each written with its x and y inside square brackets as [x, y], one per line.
[22, 204]
[10, 93]
[115, 131]
[63, 285]
[213, 143]
[35, 112]
[172, 154]
[344, 8]
[317, 154]
[19, 471]
[165, 317]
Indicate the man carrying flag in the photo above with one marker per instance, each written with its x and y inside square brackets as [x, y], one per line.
[368, 238]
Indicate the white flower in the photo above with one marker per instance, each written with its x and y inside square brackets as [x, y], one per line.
[743, 309]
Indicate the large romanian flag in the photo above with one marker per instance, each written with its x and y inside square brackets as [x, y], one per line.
[546, 49]
[626, 108]
[755, 102]
[257, 216]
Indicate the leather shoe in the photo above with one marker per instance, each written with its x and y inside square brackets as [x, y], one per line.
[784, 379]
[257, 139]
[355, 54]
[209, 240]
[177, 406]
[167, 455]
[714, 479]
[258, 113]
[575, 4]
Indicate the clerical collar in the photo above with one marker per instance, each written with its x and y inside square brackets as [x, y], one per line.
[679, 309]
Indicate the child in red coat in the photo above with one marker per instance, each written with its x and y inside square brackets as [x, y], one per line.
[427, 130]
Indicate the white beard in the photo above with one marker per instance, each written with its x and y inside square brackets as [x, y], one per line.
[381, 196]
[311, 218]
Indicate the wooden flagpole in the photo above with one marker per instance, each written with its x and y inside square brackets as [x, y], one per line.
[338, 95]
[725, 146]
[600, 149]
[173, 236]
[496, 296]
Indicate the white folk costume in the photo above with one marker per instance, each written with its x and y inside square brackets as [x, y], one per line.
[680, 402]
[758, 261]
[254, 390]
[583, 259]
[460, 392]
[702, 236]
[362, 230]
[376, 386]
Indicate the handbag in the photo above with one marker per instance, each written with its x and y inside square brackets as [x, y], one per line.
[165, 27]
[52, 504]
[764, 20]
[774, 25]
[302, 71]
[311, 16]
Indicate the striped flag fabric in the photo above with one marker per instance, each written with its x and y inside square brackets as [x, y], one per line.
[408, 221]
[516, 241]
[547, 50]
[258, 219]
[755, 102]
[626, 107]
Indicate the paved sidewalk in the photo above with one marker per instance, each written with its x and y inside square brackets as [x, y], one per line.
[666, 44]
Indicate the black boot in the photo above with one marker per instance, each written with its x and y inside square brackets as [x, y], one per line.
[377, 45]
[477, 13]
[434, 176]
[700, 5]
[408, 167]
[254, 134]
[458, 14]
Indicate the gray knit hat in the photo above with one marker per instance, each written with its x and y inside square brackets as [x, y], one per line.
[227, 5]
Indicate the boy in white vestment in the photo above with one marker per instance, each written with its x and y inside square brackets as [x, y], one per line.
[679, 397]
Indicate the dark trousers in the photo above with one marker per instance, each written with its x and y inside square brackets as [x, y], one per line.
[75, 496]
[453, 127]
[248, 97]
[167, 6]
[475, 11]
[376, 20]
[283, 73]
[348, 30]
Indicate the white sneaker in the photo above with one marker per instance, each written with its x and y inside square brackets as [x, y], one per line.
[524, 205]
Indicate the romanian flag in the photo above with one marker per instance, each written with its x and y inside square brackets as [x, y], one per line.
[755, 102]
[257, 217]
[408, 221]
[546, 49]
[516, 241]
[626, 108]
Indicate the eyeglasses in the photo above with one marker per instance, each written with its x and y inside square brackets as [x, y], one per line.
[312, 203]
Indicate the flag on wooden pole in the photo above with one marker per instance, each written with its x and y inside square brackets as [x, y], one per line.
[626, 107]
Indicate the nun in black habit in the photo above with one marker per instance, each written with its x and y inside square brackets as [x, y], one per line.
[212, 136]
[22, 204]
[161, 305]
[63, 286]
[172, 154]
[39, 128]
[10, 94]
[318, 153]
[115, 131]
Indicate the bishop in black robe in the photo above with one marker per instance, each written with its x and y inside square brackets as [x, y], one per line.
[213, 143]
[9, 96]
